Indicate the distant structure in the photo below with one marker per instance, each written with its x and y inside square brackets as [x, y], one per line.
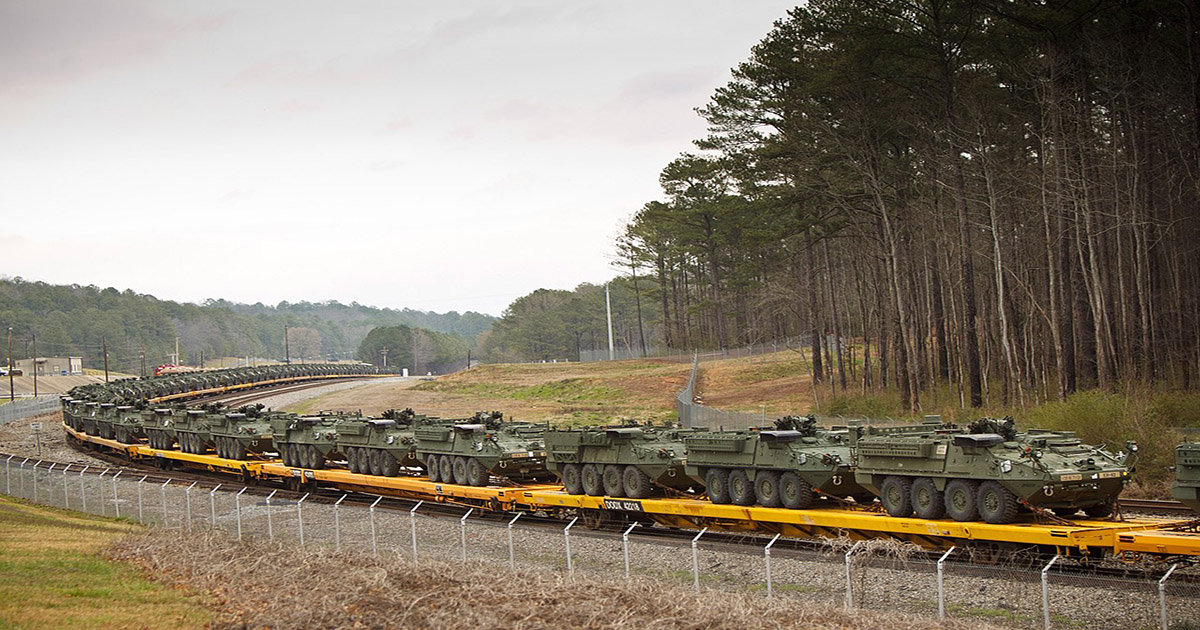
[50, 366]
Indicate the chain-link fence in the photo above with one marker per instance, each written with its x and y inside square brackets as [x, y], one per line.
[27, 407]
[1032, 593]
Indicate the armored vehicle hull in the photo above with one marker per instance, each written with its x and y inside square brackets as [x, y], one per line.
[102, 421]
[238, 434]
[192, 431]
[381, 446]
[468, 453]
[159, 426]
[305, 441]
[127, 428]
[1187, 475]
[626, 461]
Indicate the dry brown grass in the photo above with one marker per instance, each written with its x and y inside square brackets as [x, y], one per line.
[255, 585]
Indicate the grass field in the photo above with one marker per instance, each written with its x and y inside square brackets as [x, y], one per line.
[53, 574]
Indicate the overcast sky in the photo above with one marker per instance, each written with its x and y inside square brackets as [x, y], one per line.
[432, 155]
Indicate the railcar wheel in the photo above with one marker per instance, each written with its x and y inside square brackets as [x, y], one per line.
[637, 483]
[766, 486]
[477, 475]
[614, 486]
[446, 467]
[431, 468]
[896, 495]
[794, 492]
[741, 491]
[716, 481]
[1100, 510]
[927, 502]
[997, 504]
[593, 485]
[460, 470]
[572, 479]
[962, 502]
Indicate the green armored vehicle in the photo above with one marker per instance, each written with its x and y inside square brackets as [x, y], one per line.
[159, 426]
[989, 471]
[787, 465]
[467, 453]
[102, 420]
[242, 431]
[127, 427]
[193, 430]
[305, 441]
[630, 460]
[380, 446]
[73, 412]
[1187, 474]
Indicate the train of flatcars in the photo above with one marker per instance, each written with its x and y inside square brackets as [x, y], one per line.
[987, 472]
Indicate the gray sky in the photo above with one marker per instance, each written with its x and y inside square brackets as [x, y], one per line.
[432, 155]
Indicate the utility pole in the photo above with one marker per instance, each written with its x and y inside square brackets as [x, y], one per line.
[468, 359]
[35, 364]
[608, 311]
[384, 353]
[142, 355]
[11, 396]
[176, 350]
[287, 349]
[104, 345]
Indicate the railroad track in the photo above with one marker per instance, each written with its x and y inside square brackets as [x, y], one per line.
[245, 398]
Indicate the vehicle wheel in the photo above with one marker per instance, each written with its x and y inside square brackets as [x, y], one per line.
[572, 479]
[997, 504]
[364, 460]
[961, 501]
[431, 468]
[477, 475]
[794, 492]
[1100, 510]
[927, 501]
[716, 481]
[352, 459]
[388, 464]
[220, 447]
[637, 483]
[239, 450]
[303, 457]
[460, 470]
[766, 486]
[187, 445]
[294, 455]
[593, 485]
[614, 486]
[446, 468]
[896, 495]
[373, 463]
[741, 491]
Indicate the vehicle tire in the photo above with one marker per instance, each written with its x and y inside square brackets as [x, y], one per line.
[997, 504]
[460, 470]
[294, 453]
[220, 447]
[189, 441]
[962, 503]
[590, 477]
[446, 468]
[572, 479]
[373, 462]
[303, 456]
[794, 492]
[896, 495]
[318, 458]
[239, 450]
[766, 487]
[352, 459]
[1100, 510]
[637, 483]
[388, 464]
[477, 475]
[716, 481]
[614, 485]
[741, 491]
[927, 501]
[432, 469]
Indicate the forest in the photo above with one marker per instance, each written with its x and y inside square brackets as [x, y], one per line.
[992, 198]
[81, 320]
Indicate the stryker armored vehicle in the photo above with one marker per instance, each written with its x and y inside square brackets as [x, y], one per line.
[73, 412]
[989, 471]
[87, 422]
[380, 446]
[467, 453]
[192, 430]
[630, 460]
[1187, 475]
[159, 426]
[103, 419]
[242, 431]
[305, 441]
[787, 465]
[127, 427]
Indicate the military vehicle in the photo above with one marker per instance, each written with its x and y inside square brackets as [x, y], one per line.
[787, 465]
[305, 441]
[1187, 475]
[989, 470]
[73, 412]
[242, 431]
[380, 446]
[103, 420]
[192, 430]
[127, 427]
[159, 425]
[630, 460]
[468, 452]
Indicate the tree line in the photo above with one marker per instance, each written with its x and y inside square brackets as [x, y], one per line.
[994, 199]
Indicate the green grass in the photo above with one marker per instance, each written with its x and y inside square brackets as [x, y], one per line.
[53, 575]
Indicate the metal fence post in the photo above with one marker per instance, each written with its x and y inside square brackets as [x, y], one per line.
[100, 491]
[237, 508]
[1162, 596]
[140, 518]
[767, 563]
[300, 516]
[116, 498]
[21, 476]
[270, 527]
[371, 512]
[50, 482]
[462, 530]
[625, 547]
[82, 494]
[212, 506]
[941, 581]
[696, 560]
[66, 495]
[35, 480]
[1046, 591]
[412, 528]
[8, 475]
[162, 494]
[187, 495]
[567, 544]
[512, 557]
[850, 577]
[337, 524]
